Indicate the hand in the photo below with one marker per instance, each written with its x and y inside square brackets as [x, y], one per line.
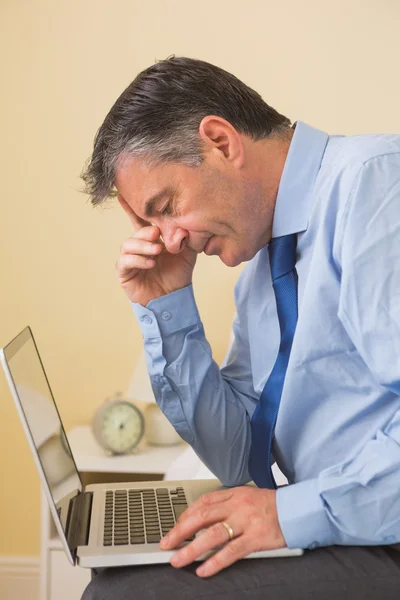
[250, 512]
[145, 269]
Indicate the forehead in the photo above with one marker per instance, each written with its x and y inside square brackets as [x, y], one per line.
[136, 180]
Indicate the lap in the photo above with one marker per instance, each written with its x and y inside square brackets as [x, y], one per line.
[331, 573]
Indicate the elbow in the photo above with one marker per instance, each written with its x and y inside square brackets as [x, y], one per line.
[231, 475]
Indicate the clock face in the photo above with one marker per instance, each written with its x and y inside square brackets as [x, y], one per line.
[122, 427]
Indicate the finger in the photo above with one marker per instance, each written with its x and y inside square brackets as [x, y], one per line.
[149, 232]
[210, 539]
[229, 554]
[129, 264]
[190, 524]
[208, 509]
[136, 221]
[140, 246]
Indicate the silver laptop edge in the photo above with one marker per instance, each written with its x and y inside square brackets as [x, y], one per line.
[6, 354]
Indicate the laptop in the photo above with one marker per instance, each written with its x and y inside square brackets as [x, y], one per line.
[100, 525]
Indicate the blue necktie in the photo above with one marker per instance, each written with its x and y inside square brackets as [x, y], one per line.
[282, 258]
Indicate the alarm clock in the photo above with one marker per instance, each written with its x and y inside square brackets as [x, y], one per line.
[118, 425]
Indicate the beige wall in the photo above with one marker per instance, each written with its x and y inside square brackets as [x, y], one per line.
[332, 64]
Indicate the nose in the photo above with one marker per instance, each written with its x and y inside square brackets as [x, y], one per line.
[174, 238]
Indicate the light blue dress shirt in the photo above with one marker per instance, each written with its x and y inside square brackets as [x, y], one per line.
[337, 436]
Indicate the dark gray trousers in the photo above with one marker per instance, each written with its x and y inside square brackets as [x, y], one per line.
[333, 573]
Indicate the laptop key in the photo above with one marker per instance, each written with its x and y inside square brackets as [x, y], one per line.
[121, 541]
[179, 509]
[138, 540]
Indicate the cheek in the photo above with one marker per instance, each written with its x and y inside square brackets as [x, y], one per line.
[194, 223]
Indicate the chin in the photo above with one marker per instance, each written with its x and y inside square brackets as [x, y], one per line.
[232, 261]
[236, 258]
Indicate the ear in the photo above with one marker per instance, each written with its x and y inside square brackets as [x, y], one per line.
[219, 136]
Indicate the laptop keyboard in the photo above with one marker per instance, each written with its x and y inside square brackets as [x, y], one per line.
[141, 516]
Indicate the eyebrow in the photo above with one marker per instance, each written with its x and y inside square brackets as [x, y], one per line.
[151, 202]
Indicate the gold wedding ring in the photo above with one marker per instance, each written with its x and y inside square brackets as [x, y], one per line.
[229, 530]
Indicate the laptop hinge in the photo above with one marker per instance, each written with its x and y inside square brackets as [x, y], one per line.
[78, 524]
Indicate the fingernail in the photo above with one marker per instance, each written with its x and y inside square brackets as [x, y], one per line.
[201, 570]
[164, 542]
[176, 561]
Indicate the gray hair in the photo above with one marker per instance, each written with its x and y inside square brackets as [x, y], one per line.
[157, 119]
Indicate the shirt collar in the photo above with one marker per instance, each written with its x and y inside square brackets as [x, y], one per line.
[300, 171]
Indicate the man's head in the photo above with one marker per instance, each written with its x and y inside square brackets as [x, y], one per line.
[195, 151]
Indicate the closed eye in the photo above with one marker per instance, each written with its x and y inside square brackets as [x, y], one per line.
[167, 209]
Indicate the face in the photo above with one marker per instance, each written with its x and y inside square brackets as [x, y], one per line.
[213, 208]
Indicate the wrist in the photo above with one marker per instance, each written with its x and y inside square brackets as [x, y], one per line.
[147, 296]
[167, 314]
[278, 537]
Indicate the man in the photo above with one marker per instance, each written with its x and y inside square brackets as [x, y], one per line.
[200, 163]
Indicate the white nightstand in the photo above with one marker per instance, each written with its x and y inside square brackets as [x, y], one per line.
[59, 579]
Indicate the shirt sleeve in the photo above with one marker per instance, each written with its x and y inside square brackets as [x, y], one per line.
[209, 407]
[356, 502]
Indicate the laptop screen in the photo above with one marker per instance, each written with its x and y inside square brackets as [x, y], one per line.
[42, 418]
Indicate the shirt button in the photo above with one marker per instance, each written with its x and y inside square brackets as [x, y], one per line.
[166, 315]
[313, 545]
[146, 319]
[163, 379]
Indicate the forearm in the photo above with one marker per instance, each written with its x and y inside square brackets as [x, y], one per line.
[208, 408]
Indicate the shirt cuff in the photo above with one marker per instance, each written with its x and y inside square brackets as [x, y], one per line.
[302, 515]
[167, 314]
